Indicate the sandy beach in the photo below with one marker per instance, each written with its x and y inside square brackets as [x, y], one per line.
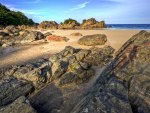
[24, 54]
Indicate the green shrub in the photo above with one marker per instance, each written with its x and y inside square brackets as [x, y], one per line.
[8, 17]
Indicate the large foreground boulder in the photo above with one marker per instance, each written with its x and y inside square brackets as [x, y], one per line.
[124, 85]
[20, 105]
[12, 88]
[93, 40]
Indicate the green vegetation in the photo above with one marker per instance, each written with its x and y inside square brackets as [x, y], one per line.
[8, 17]
[69, 21]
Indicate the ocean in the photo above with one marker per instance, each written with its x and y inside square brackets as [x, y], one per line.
[129, 26]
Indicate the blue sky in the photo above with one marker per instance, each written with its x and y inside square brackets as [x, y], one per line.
[112, 11]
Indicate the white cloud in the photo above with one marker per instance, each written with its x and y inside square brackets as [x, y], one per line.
[78, 7]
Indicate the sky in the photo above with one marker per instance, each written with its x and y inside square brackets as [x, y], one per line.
[111, 11]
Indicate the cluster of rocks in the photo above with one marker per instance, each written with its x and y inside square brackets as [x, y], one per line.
[69, 25]
[73, 24]
[70, 66]
[12, 35]
[48, 25]
[92, 23]
[124, 85]
[93, 40]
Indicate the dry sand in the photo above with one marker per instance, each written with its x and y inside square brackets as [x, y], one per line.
[28, 53]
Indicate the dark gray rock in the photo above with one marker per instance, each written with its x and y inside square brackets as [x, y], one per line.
[99, 56]
[3, 34]
[124, 85]
[12, 88]
[38, 72]
[20, 105]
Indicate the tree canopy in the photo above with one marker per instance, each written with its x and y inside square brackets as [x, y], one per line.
[8, 17]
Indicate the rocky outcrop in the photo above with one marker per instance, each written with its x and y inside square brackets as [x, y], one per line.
[59, 82]
[68, 69]
[99, 56]
[69, 24]
[12, 35]
[32, 36]
[48, 25]
[92, 23]
[37, 72]
[20, 105]
[12, 88]
[51, 38]
[124, 85]
[93, 40]
[12, 30]
[69, 66]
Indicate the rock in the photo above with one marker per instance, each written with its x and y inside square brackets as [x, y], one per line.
[92, 23]
[56, 38]
[93, 40]
[124, 85]
[3, 34]
[67, 69]
[68, 78]
[12, 29]
[59, 68]
[33, 35]
[11, 88]
[74, 65]
[20, 105]
[47, 34]
[1, 27]
[38, 73]
[68, 51]
[99, 56]
[76, 34]
[48, 25]
[82, 54]
[69, 24]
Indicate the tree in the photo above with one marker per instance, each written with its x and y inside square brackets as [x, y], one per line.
[8, 17]
[67, 21]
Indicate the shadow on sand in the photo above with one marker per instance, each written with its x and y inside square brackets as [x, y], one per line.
[48, 99]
